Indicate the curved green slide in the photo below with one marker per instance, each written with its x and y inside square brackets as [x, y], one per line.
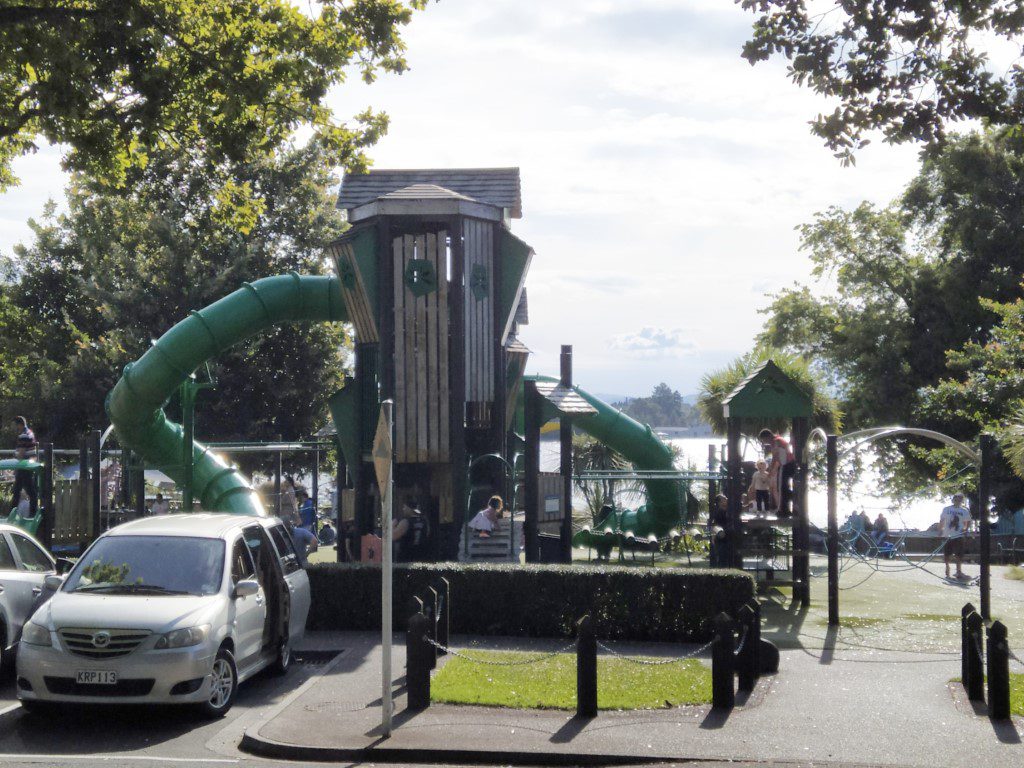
[640, 446]
[135, 404]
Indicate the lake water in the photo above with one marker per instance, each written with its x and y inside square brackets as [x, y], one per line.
[868, 492]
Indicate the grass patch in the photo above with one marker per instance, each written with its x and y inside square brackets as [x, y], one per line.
[1015, 573]
[551, 683]
[930, 617]
[1016, 693]
[857, 622]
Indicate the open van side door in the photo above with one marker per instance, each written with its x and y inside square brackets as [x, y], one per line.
[296, 579]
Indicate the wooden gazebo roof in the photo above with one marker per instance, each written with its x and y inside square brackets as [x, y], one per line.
[768, 393]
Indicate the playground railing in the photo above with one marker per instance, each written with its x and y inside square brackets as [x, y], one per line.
[985, 656]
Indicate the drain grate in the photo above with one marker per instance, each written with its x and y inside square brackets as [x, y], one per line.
[315, 657]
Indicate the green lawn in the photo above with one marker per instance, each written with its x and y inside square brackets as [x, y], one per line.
[1017, 693]
[551, 683]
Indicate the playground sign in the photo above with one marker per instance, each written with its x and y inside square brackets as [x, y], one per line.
[382, 453]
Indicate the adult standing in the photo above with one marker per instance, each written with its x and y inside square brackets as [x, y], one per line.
[782, 468]
[289, 503]
[24, 448]
[416, 539]
[953, 524]
[307, 512]
[161, 506]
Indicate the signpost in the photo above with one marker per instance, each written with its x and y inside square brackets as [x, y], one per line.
[383, 455]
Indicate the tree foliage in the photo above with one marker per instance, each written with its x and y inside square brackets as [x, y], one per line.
[96, 284]
[904, 67]
[664, 407]
[118, 82]
[910, 281]
[717, 385]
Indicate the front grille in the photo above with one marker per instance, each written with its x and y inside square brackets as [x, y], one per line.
[68, 686]
[111, 644]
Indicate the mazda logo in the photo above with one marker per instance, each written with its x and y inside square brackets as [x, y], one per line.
[101, 639]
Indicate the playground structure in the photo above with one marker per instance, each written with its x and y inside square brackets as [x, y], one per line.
[432, 280]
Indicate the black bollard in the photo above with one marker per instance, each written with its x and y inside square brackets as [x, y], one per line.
[417, 658]
[586, 668]
[444, 602]
[998, 672]
[431, 612]
[966, 611]
[756, 637]
[745, 662]
[723, 649]
[975, 680]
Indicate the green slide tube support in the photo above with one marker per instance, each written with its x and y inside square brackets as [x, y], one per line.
[639, 445]
[135, 404]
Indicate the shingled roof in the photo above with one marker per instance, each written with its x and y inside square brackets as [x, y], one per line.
[495, 186]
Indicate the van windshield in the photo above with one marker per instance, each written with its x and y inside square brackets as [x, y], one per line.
[150, 565]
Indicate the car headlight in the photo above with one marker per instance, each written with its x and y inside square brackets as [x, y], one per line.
[34, 634]
[183, 638]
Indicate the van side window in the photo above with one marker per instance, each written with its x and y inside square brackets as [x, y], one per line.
[241, 563]
[285, 548]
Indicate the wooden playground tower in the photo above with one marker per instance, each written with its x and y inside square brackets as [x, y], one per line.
[434, 278]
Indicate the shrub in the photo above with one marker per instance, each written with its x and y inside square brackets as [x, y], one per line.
[660, 604]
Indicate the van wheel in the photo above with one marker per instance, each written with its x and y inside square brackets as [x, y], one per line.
[284, 658]
[223, 686]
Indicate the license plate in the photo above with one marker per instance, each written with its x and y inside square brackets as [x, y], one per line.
[96, 677]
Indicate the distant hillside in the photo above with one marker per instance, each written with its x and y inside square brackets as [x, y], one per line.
[663, 408]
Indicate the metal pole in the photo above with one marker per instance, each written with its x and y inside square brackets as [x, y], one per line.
[831, 460]
[984, 484]
[188, 403]
[316, 485]
[386, 596]
[46, 507]
[565, 449]
[277, 485]
[95, 482]
[712, 490]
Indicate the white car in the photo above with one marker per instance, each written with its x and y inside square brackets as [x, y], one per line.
[24, 566]
[170, 609]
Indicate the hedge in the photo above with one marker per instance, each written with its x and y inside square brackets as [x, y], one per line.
[660, 604]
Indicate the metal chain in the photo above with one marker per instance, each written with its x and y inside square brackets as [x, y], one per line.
[743, 639]
[645, 662]
[494, 663]
[1014, 656]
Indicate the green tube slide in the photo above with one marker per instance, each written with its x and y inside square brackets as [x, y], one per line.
[639, 445]
[135, 404]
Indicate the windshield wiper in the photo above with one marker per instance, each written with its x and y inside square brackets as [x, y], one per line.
[103, 587]
[156, 589]
[153, 589]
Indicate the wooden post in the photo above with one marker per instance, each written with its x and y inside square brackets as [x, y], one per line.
[499, 408]
[95, 482]
[83, 491]
[734, 486]
[747, 658]
[831, 462]
[457, 374]
[975, 680]
[444, 613]
[586, 668]
[565, 467]
[998, 653]
[723, 649]
[965, 670]
[801, 521]
[531, 481]
[712, 485]
[417, 660]
[45, 506]
[984, 486]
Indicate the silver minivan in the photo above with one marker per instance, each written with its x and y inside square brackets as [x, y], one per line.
[24, 566]
[169, 609]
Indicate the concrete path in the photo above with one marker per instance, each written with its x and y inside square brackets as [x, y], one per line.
[876, 691]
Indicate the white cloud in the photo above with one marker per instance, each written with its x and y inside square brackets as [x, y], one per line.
[654, 343]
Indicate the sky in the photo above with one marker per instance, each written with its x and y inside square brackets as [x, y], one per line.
[662, 176]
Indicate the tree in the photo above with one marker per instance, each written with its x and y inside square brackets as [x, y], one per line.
[904, 67]
[225, 81]
[717, 385]
[98, 283]
[664, 407]
[909, 278]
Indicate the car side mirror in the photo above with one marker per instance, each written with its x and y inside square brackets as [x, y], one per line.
[64, 565]
[246, 587]
[53, 582]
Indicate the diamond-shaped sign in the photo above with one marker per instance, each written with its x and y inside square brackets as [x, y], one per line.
[382, 448]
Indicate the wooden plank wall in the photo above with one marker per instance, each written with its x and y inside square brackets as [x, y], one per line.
[356, 300]
[421, 354]
[551, 484]
[478, 237]
[72, 510]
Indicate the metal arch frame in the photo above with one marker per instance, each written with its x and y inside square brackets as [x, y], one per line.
[866, 436]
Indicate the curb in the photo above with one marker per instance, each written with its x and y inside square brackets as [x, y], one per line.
[261, 746]
[9, 712]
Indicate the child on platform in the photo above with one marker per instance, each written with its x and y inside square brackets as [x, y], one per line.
[760, 485]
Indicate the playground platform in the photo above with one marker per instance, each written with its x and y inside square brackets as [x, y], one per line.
[877, 692]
